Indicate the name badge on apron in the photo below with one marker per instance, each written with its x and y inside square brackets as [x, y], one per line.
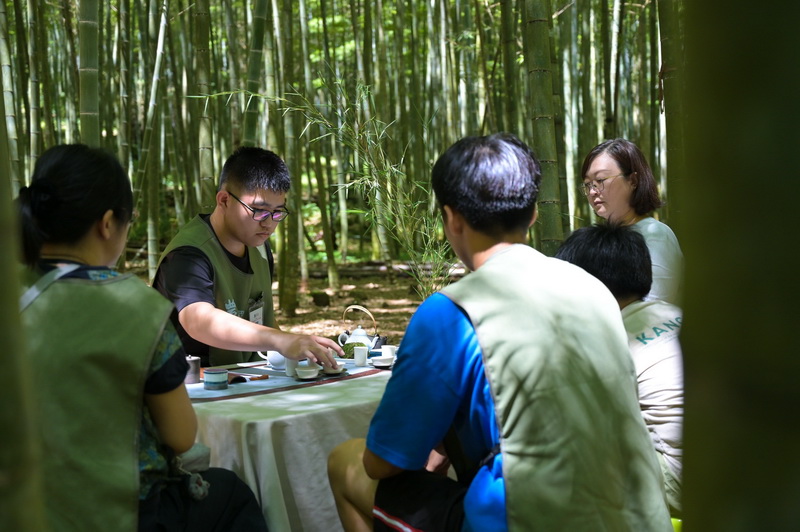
[256, 311]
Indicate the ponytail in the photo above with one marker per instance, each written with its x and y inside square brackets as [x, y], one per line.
[32, 237]
[72, 186]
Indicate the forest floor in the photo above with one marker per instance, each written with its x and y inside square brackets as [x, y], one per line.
[387, 294]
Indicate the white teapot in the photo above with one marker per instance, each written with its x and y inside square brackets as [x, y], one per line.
[359, 336]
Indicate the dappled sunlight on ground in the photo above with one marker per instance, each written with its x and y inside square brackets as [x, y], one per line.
[390, 299]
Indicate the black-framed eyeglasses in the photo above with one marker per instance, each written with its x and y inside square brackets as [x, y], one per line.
[260, 215]
[596, 184]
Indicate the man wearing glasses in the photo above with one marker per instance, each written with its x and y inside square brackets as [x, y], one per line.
[216, 272]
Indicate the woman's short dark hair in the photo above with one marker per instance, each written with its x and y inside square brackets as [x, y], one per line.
[631, 161]
[72, 187]
[491, 181]
[249, 169]
[615, 254]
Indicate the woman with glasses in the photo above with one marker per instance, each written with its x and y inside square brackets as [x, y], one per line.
[215, 272]
[620, 187]
[110, 405]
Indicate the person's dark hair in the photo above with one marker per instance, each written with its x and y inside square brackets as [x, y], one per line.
[492, 181]
[631, 161]
[617, 255]
[249, 169]
[72, 187]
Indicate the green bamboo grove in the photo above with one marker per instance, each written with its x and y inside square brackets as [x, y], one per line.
[358, 97]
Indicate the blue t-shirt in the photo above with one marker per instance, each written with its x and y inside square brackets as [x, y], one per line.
[439, 380]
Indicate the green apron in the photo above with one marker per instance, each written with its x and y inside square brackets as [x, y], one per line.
[91, 357]
[576, 453]
[235, 292]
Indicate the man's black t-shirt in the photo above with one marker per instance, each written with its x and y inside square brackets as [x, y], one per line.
[186, 276]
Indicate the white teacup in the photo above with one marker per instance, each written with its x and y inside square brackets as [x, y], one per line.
[291, 367]
[215, 378]
[388, 350]
[276, 360]
[383, 361]
[360, 355]
[307, 372]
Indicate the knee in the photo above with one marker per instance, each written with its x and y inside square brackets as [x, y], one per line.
[343, 458]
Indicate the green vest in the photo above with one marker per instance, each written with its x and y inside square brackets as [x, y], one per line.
[576, 454]
[234, 291]
[91, 357]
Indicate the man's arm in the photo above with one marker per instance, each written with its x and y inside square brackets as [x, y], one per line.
[437, 344]
[378, 468]
[215, 327]
[438, 461]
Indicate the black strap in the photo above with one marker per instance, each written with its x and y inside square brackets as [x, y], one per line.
[489, 457]
[270, 260]
[465, 471]
[41, 285]
[455, 453]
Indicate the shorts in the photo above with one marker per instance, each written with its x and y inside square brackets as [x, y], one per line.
[229, 505]
[419, 500]
[672, 487]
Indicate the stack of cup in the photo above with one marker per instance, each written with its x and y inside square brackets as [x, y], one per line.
[387, 357]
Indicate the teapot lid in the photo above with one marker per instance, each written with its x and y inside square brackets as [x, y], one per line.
[359, 331]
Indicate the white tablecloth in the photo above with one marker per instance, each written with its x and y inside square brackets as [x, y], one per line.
[279, 442]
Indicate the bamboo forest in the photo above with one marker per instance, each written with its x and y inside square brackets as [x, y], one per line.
[360, 98]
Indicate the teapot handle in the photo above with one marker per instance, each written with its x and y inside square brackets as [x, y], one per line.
[363, 309]
[343, 338]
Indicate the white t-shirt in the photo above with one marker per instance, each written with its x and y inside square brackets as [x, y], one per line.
[667, 259]
[653, 328]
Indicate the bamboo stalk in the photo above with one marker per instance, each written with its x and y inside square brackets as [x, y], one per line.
[21, 491]
[88, 72]
[537, 59]
[10, 146]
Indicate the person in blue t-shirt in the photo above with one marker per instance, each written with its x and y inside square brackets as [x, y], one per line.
[525, 346]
